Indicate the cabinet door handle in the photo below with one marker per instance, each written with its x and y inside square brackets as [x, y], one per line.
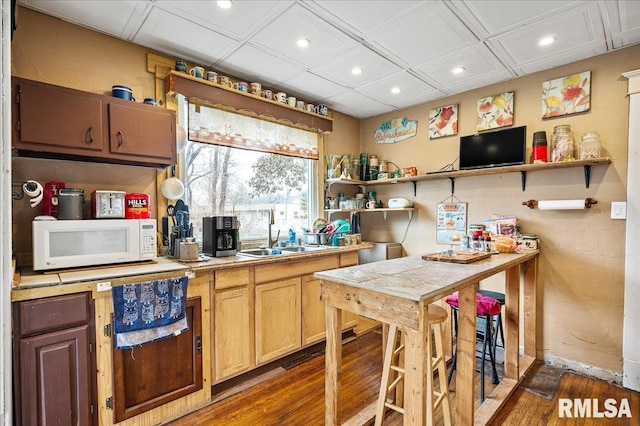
[120, 139]
[198, 345]
[88, 137]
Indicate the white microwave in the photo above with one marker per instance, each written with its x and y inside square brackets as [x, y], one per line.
[76, 243]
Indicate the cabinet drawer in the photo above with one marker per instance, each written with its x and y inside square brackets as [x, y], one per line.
[281, 270]
[43, 315]
[227, 278]
[348, 259]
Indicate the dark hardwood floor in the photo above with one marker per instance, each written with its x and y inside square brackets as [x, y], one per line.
[295, 396]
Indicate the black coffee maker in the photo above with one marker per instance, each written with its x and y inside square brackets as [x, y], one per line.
[220, 236]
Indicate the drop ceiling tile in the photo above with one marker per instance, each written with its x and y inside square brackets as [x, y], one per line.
[349, 101]
[311, 87]
[339, 68]
[239, 21]
[363, 16]
[185, 40]
[418, 99]
[478, 61]
[624, 18]
[492, 17]
[424, 33]
[371, 111]
[101, 15]
[556, 61]
[251, 62]
[281, 35]
[409, 85]
[574, 30]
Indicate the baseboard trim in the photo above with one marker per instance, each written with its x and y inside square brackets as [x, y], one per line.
[584, 369]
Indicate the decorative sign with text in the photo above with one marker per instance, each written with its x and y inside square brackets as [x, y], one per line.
[395, 130]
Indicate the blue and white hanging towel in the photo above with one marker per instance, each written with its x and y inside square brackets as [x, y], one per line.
[149, 311]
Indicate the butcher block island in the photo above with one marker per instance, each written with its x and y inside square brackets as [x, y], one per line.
[398, 291]
[243, 313]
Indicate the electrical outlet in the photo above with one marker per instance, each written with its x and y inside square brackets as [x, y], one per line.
[104, 286]
[618, 210]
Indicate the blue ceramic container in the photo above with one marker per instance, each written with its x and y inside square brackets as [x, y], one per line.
[123, 92]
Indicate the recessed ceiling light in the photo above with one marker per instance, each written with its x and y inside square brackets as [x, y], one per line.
[395, 90]
[224, 4]
[356, 71]
[304, 42]
[458, 70]
[545, 41]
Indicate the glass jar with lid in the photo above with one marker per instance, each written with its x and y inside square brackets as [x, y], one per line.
[590, 146]
[562, 140]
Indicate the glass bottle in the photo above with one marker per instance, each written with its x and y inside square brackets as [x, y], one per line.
[589, 146]
[562, 140]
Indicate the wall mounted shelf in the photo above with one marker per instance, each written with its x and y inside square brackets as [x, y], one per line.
[244, 103]
[384, 211]
[523, 169]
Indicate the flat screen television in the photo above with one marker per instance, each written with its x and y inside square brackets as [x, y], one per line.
[493, 149]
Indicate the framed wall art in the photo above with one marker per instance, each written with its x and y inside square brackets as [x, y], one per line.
[443, 121]
[566, 95]
[495, 111]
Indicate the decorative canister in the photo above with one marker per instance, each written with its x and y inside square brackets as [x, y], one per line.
[590, 146]
[70, 203]
[383, 166]
[562, 140]
[539, 151]
[137, 206]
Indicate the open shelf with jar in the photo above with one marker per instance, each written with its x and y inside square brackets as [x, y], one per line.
[523, 169]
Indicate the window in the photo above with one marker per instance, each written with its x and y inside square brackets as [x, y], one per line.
[223, 180]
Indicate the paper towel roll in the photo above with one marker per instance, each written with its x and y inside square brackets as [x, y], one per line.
[561, 204]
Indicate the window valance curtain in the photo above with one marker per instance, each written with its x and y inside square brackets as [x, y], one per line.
[220, 127]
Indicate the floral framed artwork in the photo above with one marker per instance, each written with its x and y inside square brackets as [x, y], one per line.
[443, 121]
[566, 95]
[495, 111]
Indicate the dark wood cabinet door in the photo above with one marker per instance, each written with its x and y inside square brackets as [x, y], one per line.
[56, 378]
[142, 131]
[58, 120]
[156, 373]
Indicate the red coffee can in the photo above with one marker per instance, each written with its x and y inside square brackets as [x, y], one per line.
[137, 206]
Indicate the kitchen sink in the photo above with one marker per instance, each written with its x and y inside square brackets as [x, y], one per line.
[261, 252]
[264, 252]
[303, 249]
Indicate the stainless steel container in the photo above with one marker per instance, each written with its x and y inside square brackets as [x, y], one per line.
[70, 203]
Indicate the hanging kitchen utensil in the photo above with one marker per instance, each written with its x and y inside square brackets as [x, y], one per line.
[172, 188]
[171, 212]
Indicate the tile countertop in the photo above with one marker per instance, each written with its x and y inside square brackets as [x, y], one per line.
[416, 279]
[28, 279]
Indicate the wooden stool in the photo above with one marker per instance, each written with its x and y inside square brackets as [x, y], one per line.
[393, 366]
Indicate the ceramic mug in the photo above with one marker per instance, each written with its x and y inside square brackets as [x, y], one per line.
[281, 97]
[371, 204]
[300, 104]
[322, 110]
[212, 76]
[150, 101]
[255, 89]
[291, 101]
[268, 94]
[242, 86]
[197, 72]
[181, 66]
[224, 81]
[123, 92]
[311, 108]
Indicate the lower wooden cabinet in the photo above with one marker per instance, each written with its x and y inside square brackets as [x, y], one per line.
[278, 319]
[232, 333]
[156, 373]
[53, 361]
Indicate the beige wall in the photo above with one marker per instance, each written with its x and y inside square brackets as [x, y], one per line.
[581, 269]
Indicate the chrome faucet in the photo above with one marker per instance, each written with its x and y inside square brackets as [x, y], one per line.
[272, 221]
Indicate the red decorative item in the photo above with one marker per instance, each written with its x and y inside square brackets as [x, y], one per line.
[50, 198]
[137, 206]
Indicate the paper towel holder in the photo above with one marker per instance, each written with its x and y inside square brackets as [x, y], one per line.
[534, 203]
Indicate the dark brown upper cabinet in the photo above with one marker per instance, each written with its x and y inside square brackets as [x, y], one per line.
[57, 122]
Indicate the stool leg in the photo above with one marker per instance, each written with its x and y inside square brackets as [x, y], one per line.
[454, 313]
[495, 338]
[386, 373]
[485, 338]
[442, 370]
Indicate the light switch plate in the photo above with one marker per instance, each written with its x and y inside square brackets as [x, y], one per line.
[618, 210]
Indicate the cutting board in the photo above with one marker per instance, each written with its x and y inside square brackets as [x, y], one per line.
[458, 257]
